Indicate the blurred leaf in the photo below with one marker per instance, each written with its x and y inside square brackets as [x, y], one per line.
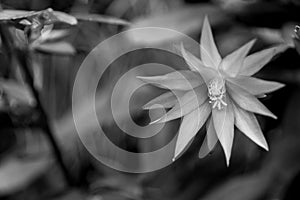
[62, 48]
[234, 5]
[56, 34]
[8, 15]
[269, 35]
[297, 45]
[74, 195]
[15, 174]
[2, 104]
[275, 36]
[296, 38]
[250, 187]
[101, 19]
[66, 18]
[186, 20]
[17, 92]
[37, 75]
[124, 185]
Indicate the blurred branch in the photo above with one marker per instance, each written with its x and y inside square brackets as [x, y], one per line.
[22, 55]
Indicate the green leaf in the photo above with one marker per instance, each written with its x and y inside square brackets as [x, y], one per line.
[15, 174]
[8, 15]
[62, 48]
[246, 187]
[17, 92]
[66, 18]
[101, 19]
[184, 20]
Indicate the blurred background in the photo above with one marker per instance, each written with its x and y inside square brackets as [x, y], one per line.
[33, 165]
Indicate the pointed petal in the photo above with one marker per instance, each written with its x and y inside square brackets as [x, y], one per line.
[247, 101]
[189, 127]
[232, 63]
[189, 102]
[248, 124]
[210, 139]
[192, 61]
[166, 100]
[256, 61]
[223, 121]
[255, 86]
[178, 80]
[204, 150]
[208, 49]
[195, 64]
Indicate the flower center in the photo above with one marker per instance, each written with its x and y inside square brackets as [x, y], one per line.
[216, 93]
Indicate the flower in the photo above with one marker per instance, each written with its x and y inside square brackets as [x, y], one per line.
[218, 92]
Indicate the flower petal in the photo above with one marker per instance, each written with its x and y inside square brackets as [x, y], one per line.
[190, 125]
[178, 80]
[247, 101]
[195, 64]
[166, 100]
[208, 49]
[210, 139]
[189, 102]
[223, 121]
[192, 61]
[255, 86]
[248, 124]
[256, 61]
[232, 63]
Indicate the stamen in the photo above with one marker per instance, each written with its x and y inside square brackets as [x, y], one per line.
[216, 93]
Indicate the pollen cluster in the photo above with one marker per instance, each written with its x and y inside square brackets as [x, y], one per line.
[216, 93]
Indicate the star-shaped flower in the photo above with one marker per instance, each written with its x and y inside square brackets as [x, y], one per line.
[218, 92]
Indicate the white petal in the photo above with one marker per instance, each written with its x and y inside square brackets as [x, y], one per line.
[224, 125]
[195, 64]
[209, 141]
[166, 100]
[208, 49]
[190, 125]
[255, 86]
[248, 124]
[232, 63]
[256, 61]
[189, 102]
[192, 61]
[212, 137]
[178, 80]
[247, 101]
